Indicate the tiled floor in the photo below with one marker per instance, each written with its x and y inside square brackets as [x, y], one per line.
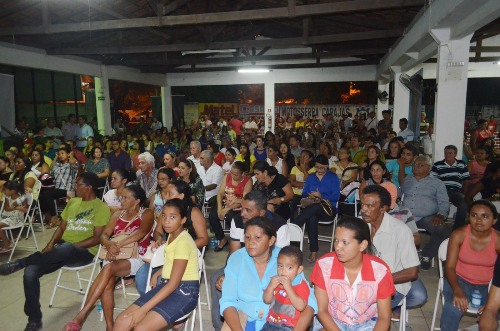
[67, 304]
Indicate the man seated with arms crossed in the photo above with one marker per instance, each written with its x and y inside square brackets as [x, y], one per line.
[75, 243]
[254, 205]
[393, 242]
[427, 200]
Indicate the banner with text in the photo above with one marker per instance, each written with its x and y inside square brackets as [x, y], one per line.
[313, 111]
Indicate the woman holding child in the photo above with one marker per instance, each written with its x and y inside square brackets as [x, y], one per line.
[249, 271]
[353, 287]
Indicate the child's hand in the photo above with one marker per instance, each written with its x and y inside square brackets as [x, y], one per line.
[275, 281]
[286, 282]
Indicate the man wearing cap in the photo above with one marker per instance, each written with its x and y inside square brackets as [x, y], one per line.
[400, 168]
[427, 199]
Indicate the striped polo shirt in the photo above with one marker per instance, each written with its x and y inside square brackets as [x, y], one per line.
[453, 175]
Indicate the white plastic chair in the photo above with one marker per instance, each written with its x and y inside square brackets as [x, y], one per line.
[404, 312]
[157, 261]
[333, 222]
[27, 222]
[79, 278]
[296, 234]
[443, 249]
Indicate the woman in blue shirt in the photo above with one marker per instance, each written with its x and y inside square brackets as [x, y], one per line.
[247, 275]
[323, 184]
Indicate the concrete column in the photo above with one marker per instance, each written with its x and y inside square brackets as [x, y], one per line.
[401, 100]
[382, 105]
[103, 102]
[452, 65]
[269, 105]
[166, 105]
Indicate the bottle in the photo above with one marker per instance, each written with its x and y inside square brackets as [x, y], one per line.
[213, 242]
[99, 306]
[476, 299]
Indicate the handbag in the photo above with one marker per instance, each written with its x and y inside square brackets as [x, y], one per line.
[309, 201]
[129, 251]
[306, 202]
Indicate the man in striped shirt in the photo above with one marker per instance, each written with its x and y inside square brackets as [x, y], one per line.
[454, 174]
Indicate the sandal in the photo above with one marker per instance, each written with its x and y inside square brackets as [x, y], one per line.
[72, 326]
[128, 282]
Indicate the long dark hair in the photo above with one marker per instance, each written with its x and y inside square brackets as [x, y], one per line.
[19, 175]
[183, 188]
[246, 158]
[194, 173]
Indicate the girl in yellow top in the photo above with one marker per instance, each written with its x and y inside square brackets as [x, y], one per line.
[175, 294]
[246, 157]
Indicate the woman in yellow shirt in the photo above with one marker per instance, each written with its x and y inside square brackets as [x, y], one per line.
[176, 286]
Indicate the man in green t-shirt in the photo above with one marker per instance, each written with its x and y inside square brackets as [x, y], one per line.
[74, 242]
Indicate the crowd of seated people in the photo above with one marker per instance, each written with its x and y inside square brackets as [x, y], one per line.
[229, 173]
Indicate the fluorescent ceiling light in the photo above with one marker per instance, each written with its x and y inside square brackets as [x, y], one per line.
[209, 51]
[253, 70]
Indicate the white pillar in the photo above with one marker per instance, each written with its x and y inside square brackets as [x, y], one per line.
[269, 105]
[401, 100]
[103, 108]
[381, 106]
[166, 106]
[449, 114]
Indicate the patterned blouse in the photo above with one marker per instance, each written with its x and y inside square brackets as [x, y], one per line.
[98, 167]
[198, 191]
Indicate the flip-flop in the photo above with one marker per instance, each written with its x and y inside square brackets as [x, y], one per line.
[128, 282]
[72, 326]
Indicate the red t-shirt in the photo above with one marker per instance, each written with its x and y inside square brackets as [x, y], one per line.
[281, 311]
[236, 124]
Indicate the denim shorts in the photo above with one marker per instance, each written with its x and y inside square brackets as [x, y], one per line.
[178, 304]
[276, 327]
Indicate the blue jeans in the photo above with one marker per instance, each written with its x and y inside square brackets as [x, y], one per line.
[417, 296]
[451, 315]
[215, 296]
[438, 234]
[276, 327]
[39, 264]
[366, 326]
[141, 278]
[179, 303]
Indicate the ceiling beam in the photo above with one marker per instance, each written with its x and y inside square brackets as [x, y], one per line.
[168, 69]
[209, 18]
[173, 6]
[240, 59]
[440, 14]
[260, 43]
[106, 10]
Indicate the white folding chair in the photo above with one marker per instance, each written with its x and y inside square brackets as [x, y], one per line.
[28, 220]
[296, 234]
[333, 222]
[104, 188]
[404, 313]
[79, 278]
[204, 273]
[157, 260]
